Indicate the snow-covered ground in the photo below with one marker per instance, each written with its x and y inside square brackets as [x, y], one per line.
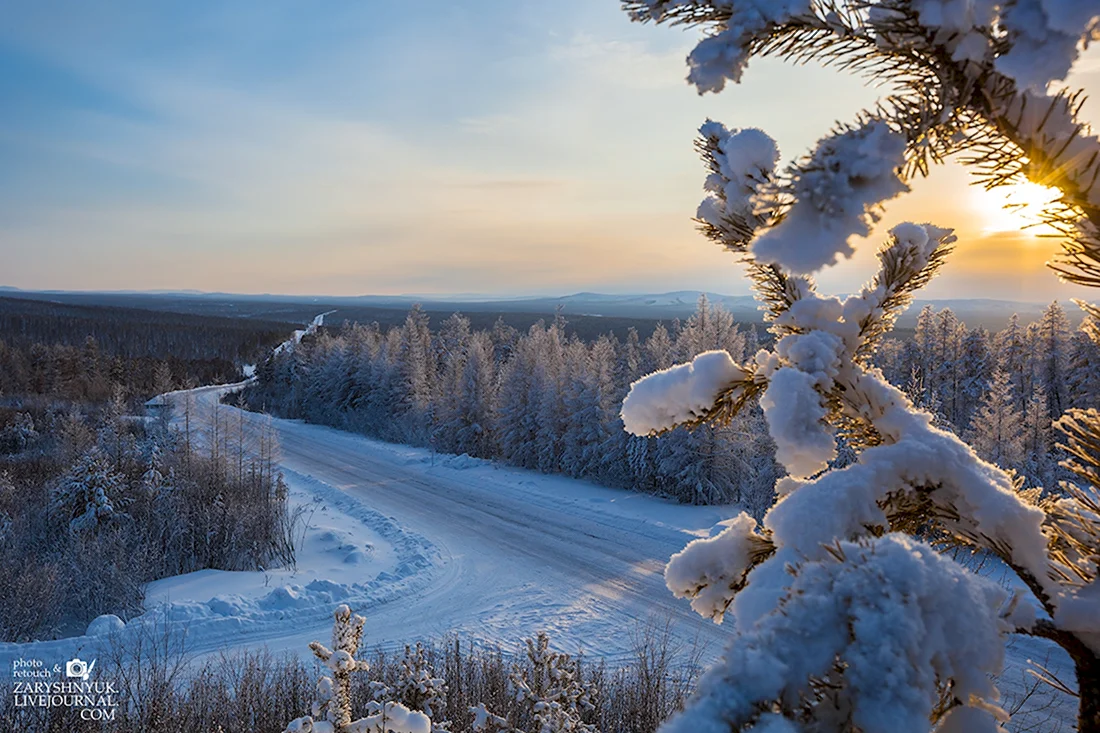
[424, 545]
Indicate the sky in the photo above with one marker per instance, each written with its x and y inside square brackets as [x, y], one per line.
[502, 147]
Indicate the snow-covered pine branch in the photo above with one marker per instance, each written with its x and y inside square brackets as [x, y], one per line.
[685, 393]
[970, 78]
[864, 633]
[836, 194]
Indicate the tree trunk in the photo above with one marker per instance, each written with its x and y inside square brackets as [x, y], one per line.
[1088, 685]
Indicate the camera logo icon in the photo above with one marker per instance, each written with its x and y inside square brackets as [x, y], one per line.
[78, 668]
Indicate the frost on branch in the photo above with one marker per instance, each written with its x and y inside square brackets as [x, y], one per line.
[877, 623]
[331, 712]
[679, 394]
[837, 192]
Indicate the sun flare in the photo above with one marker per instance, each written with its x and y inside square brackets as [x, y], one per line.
[1015, 208]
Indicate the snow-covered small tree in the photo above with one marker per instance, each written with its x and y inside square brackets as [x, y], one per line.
[997, 430]
[19, 435]
[332, 711]
[86, 496]
[551, 690]
[416, 688]
[843, 620]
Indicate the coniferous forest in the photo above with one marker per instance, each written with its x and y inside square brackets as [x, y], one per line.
[549, 401]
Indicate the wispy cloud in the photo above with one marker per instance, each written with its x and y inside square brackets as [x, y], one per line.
[459, 147]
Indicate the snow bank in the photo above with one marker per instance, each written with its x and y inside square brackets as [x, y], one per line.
[105, 625]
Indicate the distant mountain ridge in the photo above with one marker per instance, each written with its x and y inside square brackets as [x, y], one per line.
[991, 313]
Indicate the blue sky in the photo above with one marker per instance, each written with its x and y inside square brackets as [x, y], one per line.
[494, 146]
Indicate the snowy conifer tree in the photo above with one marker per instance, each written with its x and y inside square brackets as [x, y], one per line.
[1010, 348]
[552, 691]
[19, 435]
[86, 495]
[517, 425]
[1083, 379]
[976, 371]
[843, 620]
[1053, 354]
[476, 400]
[997, 430]
[332, 711]
[1038, 438]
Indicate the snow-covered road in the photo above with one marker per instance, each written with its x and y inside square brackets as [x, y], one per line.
[512, 552]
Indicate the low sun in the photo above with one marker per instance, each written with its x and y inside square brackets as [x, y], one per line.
[1013, 208]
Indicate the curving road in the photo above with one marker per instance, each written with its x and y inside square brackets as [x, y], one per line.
[518, 551]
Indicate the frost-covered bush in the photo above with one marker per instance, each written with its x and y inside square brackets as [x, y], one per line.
[842, 620]
[82, 534]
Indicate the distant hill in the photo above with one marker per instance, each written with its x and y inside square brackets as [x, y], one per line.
[639, 310]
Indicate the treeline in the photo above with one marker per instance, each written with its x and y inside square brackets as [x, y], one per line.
[88, 353]
[1001, 391]
[87, 374]
[538, 400]
[544, 401]
[132, 333]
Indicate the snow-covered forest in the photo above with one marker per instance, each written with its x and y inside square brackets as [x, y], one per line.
[545, 401]
[96, 499]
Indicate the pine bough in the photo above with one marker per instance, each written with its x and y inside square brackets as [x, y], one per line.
[844, 618]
